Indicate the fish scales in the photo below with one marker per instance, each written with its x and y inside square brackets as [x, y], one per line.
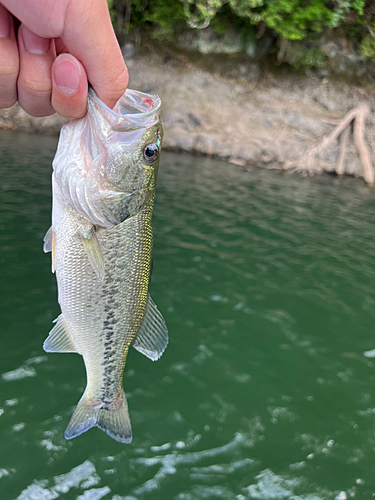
[112, 310]
[103, 269]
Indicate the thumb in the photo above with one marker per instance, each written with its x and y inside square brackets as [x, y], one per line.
[69, 86]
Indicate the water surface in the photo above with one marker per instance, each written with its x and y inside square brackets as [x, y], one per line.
[266, 391]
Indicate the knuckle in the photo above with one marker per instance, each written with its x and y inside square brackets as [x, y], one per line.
[35, 87]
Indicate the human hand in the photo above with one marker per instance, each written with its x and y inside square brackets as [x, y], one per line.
[61, 45]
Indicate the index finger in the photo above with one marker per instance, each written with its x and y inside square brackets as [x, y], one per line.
[85, 28]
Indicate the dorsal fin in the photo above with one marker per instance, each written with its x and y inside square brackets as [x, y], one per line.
[152, 338]
[59, 339]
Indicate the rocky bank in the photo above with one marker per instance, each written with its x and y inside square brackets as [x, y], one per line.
[239, 111]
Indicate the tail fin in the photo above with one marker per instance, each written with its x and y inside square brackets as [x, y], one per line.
[116, 423]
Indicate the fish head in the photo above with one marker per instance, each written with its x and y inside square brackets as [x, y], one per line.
[106, 164]
[128, 174]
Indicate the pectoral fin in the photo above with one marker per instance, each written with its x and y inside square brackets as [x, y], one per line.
[92, 248]
[49, 245]
[59, 339]
[152, 338]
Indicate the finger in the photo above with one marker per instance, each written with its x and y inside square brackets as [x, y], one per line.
[86, 30]
[9, 60]
[103, 61]
[69, 87]
[34, 81]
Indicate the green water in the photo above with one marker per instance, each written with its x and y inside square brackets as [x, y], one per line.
[266, 391]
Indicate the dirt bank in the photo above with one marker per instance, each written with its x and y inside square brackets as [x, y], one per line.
[263, 118]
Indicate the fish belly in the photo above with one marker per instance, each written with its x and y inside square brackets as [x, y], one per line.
[103, 317]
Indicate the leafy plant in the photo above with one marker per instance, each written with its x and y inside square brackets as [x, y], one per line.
[289, 19]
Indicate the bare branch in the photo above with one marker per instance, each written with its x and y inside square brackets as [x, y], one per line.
[358, 136]
[357, 116]
[343, 143]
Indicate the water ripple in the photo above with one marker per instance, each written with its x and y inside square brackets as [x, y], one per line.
[266, 390]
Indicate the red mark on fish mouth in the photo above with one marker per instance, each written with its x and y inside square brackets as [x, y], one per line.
[148, 101]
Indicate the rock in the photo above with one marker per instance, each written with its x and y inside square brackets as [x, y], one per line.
[16, 119]
[179, 140]
[181, 119]
[249, 153]
[269, 121]
[174, 119]
[208, 145]
[129, 50]
[194, 120]
[237, 161]
[208, 41]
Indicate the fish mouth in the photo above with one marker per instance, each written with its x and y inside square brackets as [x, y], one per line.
[133, 110]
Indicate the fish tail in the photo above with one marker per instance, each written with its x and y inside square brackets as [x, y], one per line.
[115, 422]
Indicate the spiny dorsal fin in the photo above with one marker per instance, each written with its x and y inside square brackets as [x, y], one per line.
[92, 248]
[59, 339]
[152, 338]
[49, 245]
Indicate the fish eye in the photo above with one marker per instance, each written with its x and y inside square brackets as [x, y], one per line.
[151, 152]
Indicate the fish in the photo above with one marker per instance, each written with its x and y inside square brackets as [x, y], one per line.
[101, 239]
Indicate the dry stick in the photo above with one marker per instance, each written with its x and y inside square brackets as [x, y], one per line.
[336, 132]
[358, 115]
[261, 30]
[311, 153]
[358, 136]
[282, 51]
[343, 143]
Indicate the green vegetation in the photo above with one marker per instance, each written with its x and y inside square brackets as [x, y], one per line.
[300, 56]
[368, 42]
[368, 47]
[293, 20]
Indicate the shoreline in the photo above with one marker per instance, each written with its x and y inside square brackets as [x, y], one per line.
[266, 121]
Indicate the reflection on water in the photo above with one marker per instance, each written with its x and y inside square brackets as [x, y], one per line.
[265, 392]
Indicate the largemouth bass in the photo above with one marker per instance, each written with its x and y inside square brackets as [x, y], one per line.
[101, 240]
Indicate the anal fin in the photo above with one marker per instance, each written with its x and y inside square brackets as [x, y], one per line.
[152, 337]
[59, 339]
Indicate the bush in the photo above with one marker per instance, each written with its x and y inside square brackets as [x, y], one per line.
[368, 47]
[289, 19]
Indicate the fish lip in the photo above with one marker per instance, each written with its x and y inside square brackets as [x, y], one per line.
[122, 116]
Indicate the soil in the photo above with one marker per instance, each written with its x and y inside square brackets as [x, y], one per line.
[251, 116]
